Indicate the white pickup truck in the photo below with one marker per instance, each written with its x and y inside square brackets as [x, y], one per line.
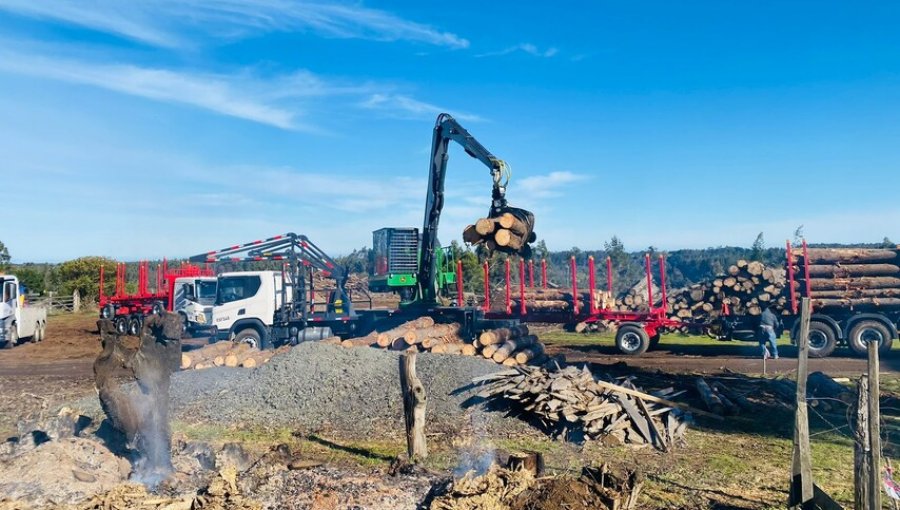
[19, 320]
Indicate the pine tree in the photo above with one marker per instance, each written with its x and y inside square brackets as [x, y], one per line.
[759, 246]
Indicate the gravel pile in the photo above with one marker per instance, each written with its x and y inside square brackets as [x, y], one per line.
[315, 387]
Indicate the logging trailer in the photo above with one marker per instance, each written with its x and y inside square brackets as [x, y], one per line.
[837, 318]
[187, 290]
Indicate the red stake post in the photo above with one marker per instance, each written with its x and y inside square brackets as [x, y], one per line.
[575, 306]
[806, 270]
[592, 283]
[662, 281]
[649, 282]
[487, 287]
[531, 273]
[544, 273]
[459, 283]
[522, 309]
[508, 295]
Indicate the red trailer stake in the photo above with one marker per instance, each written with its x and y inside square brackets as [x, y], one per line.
[592, 283]
[522, 287]
[544, 273]
[508, 296]
[459, 283]
[487, 287]
[575, 306]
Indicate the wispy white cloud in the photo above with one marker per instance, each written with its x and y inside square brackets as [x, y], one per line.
[173, 23]
[527, 48]
[282, 101]
[547, 185]
[404, 106]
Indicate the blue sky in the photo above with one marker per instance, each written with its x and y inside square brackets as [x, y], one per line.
[172, 127]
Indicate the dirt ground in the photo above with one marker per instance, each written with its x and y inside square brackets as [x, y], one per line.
[740, 463]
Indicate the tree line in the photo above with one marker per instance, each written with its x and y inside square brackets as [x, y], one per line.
[684, 267]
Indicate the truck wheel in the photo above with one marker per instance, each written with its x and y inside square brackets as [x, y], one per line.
[821, 340]
[250, 337]
[864, 332]
[108, 312]
[158, 308]
[134, 326]
[121, 325]
[632, 340]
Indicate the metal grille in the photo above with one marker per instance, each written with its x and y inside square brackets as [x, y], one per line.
[404, 251]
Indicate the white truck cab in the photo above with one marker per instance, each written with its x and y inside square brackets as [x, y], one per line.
[193, 298]
[18, 320]
[245, 307]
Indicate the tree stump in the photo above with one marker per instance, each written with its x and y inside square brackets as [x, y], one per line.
[414, 400]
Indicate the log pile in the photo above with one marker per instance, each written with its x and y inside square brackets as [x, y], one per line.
[859, 278]
[229, 354]
[636, 298]
[569, 400]
[551, 300]
[747, 287]
[508, 346]
[509, 232]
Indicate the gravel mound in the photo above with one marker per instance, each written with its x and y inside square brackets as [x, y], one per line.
[325, 387]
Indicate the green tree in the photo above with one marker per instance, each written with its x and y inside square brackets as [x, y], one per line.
[615, 250]
[83, 274]
[4, 257]
[887, 243]
[31, 278]
[758, 248]
[540, 250]
[798, 235]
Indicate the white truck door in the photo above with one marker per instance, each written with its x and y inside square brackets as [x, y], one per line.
[239, 297]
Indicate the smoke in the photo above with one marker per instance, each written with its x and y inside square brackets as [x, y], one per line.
[152, 444]
[476, 451]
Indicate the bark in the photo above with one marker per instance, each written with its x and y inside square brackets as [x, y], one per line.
[849, 270]
[847, 255]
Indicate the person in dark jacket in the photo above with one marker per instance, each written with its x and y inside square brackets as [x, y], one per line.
[768, 325]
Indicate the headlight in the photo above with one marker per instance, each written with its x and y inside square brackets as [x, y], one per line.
[200, 318]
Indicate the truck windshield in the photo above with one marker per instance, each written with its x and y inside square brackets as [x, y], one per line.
[206, 291]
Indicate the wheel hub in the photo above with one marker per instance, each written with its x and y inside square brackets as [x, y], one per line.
[817, 340]
[631, 341]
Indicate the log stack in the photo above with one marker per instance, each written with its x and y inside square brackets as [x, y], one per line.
[636, 298]
[551, 300]
[746, 288]
[230, 354]
[570, 400]
[508, 232]
[859, 278]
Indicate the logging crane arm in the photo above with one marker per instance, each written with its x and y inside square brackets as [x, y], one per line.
[447, 129]
[300, 255]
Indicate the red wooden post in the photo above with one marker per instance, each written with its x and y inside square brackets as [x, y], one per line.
[662, 281]
[522, 309]
[790, 267]
[592, 284]
[487, 287]
[575, 306]
[544, 273]
[459, 283]
[531, 273]
[649, 282]
[508, 295]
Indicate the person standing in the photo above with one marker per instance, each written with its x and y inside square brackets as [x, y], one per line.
[768, 323]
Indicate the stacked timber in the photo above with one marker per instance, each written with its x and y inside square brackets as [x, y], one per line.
[230, 354]
[636, 298]
[510, 346]
[859, 278]
[569, 400]
[746, 288]
[509, 232]
[551, 300]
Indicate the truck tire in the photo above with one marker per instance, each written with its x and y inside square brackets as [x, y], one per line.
[250, 337]
[121, 325]
[632, 340]
[134, 326]
[108, 312]
[864, 332]
[821, 340]
[158, 308]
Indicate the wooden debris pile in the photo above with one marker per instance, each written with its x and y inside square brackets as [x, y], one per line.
[861, 278]
[822, 392]
[569, 402]
[510, 232]
[745, 288]
[228, 354]
[720, 399]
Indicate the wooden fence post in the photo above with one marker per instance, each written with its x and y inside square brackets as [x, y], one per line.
[414, 400]
[874, 419]
[76, 302]
[862, 446]
[801, 495]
